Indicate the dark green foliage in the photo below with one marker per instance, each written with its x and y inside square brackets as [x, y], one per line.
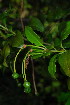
[64, 61]
[66, 31]
[68, 101]
[64, 97]
[41, 29]
[17, 40]
[52, 66]
[36, 24]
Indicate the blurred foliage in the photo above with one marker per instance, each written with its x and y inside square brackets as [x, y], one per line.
[25, 22]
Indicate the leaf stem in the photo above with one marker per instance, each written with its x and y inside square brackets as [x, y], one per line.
[36, 46]
[16, 58]
[24, 71]
[61, 51]
[5, 28]
[34, 77]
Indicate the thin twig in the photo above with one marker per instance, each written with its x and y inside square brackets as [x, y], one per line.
[34, 77]
[22, 8]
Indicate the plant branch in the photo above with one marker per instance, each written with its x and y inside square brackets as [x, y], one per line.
[34, 77]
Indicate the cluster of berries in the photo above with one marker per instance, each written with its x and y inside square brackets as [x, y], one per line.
[26, 84]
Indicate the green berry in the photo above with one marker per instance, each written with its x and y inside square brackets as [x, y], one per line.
[27, 90]
[26, 84]
[15, 75]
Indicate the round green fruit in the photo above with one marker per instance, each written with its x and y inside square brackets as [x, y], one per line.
[26, 84]
[27, 90]
[15, 75]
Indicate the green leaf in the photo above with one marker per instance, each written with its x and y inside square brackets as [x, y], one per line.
[36, 24]
[17, 40]
[37, 50]
[32, 36]
[65, 33]
[66, 44]
[5, 63]
[2, 35]
[52, 66]
[68, 101]
[46, 54]
[59, 13]
[64, 61]
[54, 29]
[9, 35]
[68, 83]
[6, 51]
[37, 56]
[57, 43]
[63, 96]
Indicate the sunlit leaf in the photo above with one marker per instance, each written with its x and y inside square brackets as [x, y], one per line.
[32, 36]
